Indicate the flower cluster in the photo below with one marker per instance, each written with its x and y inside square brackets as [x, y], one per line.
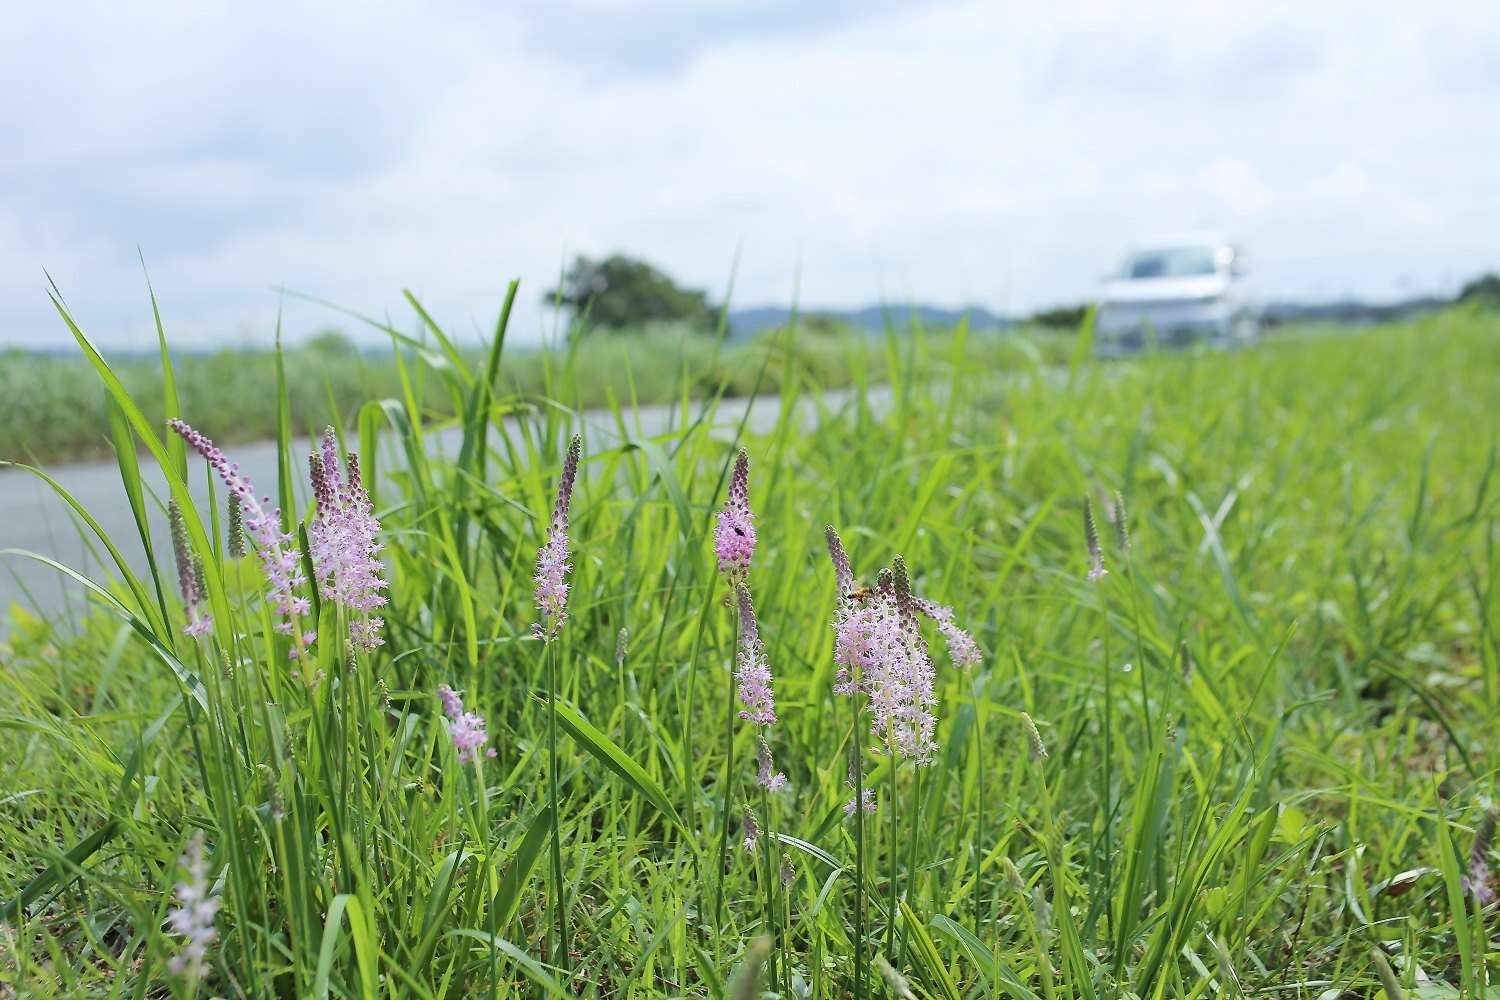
[734, 529]
[466, 729]
[880, 654]
[193, 916]
[189, 574]
[345, 553]
[277, 548]
[753, 677]
[552, 564]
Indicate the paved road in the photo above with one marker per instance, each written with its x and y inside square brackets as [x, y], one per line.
[33, 517]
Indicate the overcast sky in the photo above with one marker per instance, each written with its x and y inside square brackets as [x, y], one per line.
[952, 152]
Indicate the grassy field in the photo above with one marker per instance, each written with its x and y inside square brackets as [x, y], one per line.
[56, 410]
[1263, 753]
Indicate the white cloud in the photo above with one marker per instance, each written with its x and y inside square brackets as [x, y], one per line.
[956, 152]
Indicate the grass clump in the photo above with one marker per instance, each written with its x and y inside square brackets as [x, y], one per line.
[1240, 743]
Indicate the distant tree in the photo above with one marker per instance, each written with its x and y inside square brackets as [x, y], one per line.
[331, 341]
[1067, 317]
[1483, 290]
[621, 292]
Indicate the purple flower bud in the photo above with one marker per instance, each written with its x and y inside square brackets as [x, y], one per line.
[1097, 571]
[751, 830]
[843, 576]
[766, 774]
[189, 575]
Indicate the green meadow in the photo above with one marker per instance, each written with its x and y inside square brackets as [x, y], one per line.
[1260, 756]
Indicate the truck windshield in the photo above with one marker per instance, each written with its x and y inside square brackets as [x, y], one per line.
[1179, 262]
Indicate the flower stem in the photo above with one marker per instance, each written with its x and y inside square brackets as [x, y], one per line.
[769, 875]
[894, 849]
[560, 918]
[729, 775]
[859, 860]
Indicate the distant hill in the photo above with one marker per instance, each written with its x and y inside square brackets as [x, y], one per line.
[874, 319]
[1351, 310]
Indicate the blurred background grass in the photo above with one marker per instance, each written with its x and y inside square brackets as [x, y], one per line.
[55, 409]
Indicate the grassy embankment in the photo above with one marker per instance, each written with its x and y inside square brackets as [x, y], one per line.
[1268, 730]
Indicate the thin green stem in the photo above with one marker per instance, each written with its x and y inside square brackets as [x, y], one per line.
[729, 778]
[893, 849]
[857, 765]
[560, 915]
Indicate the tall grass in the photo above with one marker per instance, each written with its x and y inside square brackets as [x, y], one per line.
[1288, 772]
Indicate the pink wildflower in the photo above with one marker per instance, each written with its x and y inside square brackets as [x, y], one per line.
[880, 654]
[753, 674]
[962, 649]
[466, 729]
[279, 556]
[193, 916]
[345, 554]
[869, 803]
[552, 564]
[734, 529]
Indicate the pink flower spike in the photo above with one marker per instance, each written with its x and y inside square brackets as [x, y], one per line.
[276, 548]
[552, 566]
[193, 916]
[734, 529]
[342, 539]
[962, 649]
[466, 729]
[753, 673]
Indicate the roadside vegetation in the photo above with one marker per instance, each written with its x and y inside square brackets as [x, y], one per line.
[1173, 677]
[56, 410]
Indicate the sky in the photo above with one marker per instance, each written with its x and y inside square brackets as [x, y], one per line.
[843, 153]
